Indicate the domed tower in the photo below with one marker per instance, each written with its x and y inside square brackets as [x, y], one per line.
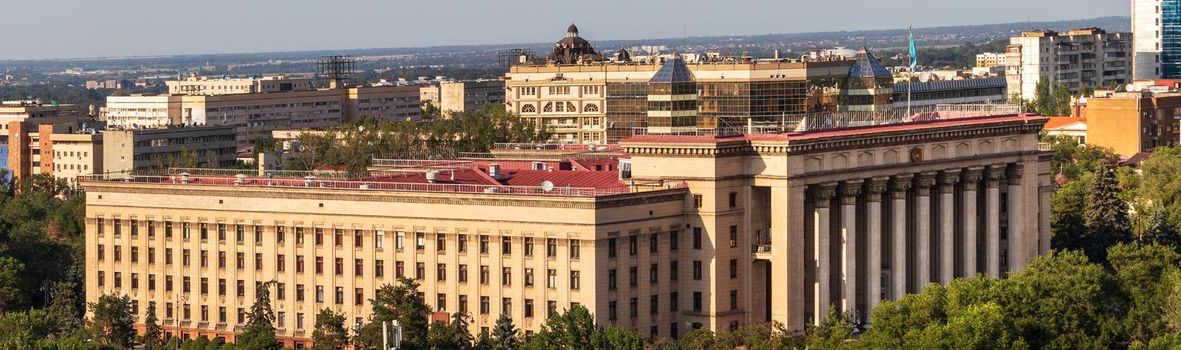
[870, 87]
[672, 99]
[573, 49]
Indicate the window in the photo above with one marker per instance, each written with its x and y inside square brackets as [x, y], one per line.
[528, 307]
[399, 240]
[319, 294]
[221, 259]
[279, 264]
[462, 243]
[204, 256]
[611, 310]
[358, 267]
[440, 242]
[653, 242]
[339, 295]
[697, 201]
[551, 247]
[633, 307]
[733, 199]
[551, 279]
[654, 304]
[419, 271]
[185, 258]
[319, 265]
[338, 237]
[653, 271]
[319, 236]
[151, 229]
[134, 227]
[483, 244]
[673, 240]
[167, 282]
[358, 239]
[611, 247]
[239, 233]
[339, 267]
[419, 241]
[551, 308]
[574, 280]
[241, 290]
[733, 236]
[528, 277]
[484, 306]
[697, 270]
[135, 255]
[118, 227]
[204, 284]
[441, 272]
[611, 279]
[733, 300]
[633, 245]
[221, 232]
[167, 229]
[258, 261]
[100, 252]
[506, 276]
[574, 248]
[118, 253]
[733, 268]
[398, 269]
[204, 229]
[697, 301]
[632, 276]
[462, 304]
[299, 292]
[506, 246]
[221, 286]
[506, 306]
[697, 238]
[528, 246]
[484, 274]
[279, 235]
[378, 239]
[462, 273]
[440, 301]
[378, 268]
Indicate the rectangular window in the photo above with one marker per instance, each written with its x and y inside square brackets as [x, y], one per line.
[319, 294]
[574, 280]
[733, 300]
[653, 242]
[484, 274]
[339, 267]
[697, 238]
[338, 237]
[633, 245]
[506, 246]
[697, 303]
[611, 279]
[528, 307]
[733, 268]
[574, 248]
[462, 243]
[653, 272]
[733, 199]
[528, 246]
[611, 247]
[483, 244]
[506, 276]
[239, 233]
[319, 265]
[484, 306]
[462, 273]
[551, 247]
[551, 279]
[358, 296]
[358, 267]
[399, 240]
[440, 242]
[528, 277]
[673, 240]
[697, 270]
[419, 241]
[378, 268]
[378, 240]
[633, 276]
[441, 272]
[399, 269]
[221, 232]
[319, 236]
[733, 236]
[419, 271]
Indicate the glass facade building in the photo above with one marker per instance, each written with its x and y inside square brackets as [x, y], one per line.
[1170, 39]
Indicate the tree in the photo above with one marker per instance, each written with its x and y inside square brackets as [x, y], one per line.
[451, 335]
[613, 337]
[1139, 271]
[402, 303]
[1050, 99]
[1160, 174]
[1061, 300]
[504, 333]
[571, 329]
[64, 309]
[12, 293]
[259, 333]
[1105, 215]
[1159, 230]
[153, 334]
[112, 321]
[329, 332]
[832, 333]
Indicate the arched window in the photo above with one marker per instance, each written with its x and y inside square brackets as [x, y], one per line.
[549, 107]
[528, 108]
[590, 108]
[570, 107]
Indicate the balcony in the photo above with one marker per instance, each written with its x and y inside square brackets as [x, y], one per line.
[762, 251]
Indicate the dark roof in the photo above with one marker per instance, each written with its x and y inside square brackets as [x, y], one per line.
[946, 85]
[572, 29]
[673, 71]
[868, 66]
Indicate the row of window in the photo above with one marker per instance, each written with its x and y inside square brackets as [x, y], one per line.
[420, 239]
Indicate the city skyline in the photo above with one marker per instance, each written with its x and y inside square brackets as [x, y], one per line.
[150, 28]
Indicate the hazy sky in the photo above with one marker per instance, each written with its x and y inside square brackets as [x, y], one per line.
[102, 28]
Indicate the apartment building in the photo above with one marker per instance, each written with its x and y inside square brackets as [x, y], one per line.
[196, 85]
[661, 234]
[463, 96]
[1134, 122]
[124, 151]
[142, 110]
[1081, 59]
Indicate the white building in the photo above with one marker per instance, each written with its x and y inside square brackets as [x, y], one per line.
[141, 111]
[1147, 27]
[1080, 59]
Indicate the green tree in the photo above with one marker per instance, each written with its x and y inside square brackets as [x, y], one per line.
[64, 309]
[1050, 99]
[112, 321]
[1061, 300]
[259, 333]
[399, 302]
[1160, 174]
[1139, 271]
[832, 333]
[1105, 215]
[613, 337]
[504, 333]
[13, 293]
[329, 332]
[25, 329]
[571, 329]
[451, 335]
[153, 334]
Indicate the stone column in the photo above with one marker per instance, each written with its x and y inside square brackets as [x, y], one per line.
[822, 196]
[992, 247]
[899, 187]
[1016, 236]
[947, 181]
[922, 215]
[971, 182]
[1044, 219]
[849, 194]
[874, 246]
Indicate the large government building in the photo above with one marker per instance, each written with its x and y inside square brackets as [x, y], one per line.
[661, 234]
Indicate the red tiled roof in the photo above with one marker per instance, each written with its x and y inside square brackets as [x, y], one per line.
[1058, 122]
[854, 131]
[463, 176]
[564, 178]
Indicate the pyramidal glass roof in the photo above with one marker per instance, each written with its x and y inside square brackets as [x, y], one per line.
[673, 71]
[868, 66]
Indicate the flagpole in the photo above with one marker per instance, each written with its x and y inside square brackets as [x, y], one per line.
[913, 60]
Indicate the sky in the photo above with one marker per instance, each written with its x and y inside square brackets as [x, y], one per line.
[117, 28]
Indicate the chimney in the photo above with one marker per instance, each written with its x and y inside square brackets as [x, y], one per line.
[494, 170]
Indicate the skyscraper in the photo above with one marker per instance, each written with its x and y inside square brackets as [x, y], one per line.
[1156, 28]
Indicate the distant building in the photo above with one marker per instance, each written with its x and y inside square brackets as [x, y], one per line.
[429, 93]
[128, 150]
[67, 156]
[966, 91]
[196, 85]
[464, 96]
[1080, 59]
[991, 59]
[270, 105]
[1134, 122]
[1156, 25]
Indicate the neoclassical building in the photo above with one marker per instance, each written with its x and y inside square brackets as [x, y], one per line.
[661, 234]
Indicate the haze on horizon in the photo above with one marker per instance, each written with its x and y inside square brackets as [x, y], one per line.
[116, 28]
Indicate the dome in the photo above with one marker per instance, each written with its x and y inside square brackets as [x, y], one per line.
[572, 29]
[573, 49]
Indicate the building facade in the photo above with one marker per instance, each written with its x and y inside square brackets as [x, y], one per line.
[463, 96]
[128, 150]
[1156, 25]
[1080, 59]
[196, 85]
[1134, 122]
[684, 232]
[945, 92]
[142, 111]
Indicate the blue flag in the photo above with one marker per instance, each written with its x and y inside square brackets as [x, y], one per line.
[914, 58]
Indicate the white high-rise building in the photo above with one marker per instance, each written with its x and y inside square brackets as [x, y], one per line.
[1147, 31]
[1088, 58]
